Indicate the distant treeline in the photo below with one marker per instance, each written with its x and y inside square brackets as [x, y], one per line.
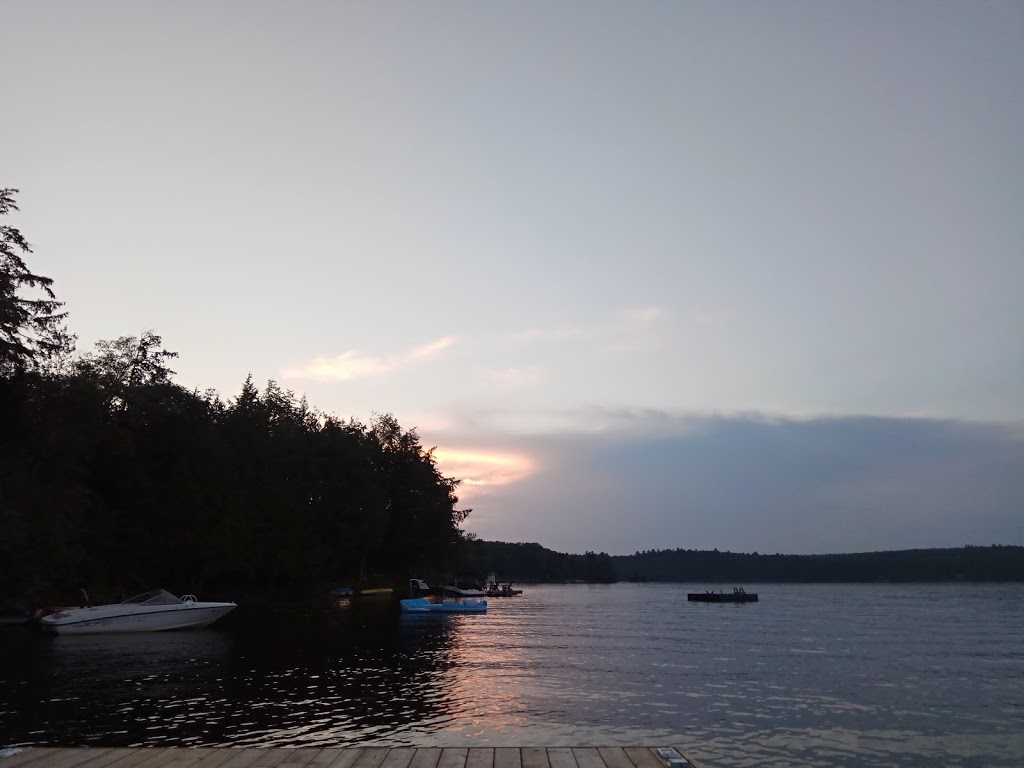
[996, 563]
[534, 563]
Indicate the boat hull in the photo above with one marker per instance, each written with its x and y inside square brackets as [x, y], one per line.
[422, 605]
[107, 619]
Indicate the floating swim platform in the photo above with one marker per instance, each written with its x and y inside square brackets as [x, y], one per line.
[722, 597]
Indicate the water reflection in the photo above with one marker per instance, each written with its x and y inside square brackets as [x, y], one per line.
[836, 675]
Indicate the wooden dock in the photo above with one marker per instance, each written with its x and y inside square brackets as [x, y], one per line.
[344, 757]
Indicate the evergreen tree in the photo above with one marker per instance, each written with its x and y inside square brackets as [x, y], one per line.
[31, 325]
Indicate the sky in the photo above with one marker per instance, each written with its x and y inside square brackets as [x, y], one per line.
[657, 274]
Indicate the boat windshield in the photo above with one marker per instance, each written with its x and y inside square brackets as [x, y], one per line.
[156, 597]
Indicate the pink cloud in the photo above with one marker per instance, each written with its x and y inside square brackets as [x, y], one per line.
[350, 365]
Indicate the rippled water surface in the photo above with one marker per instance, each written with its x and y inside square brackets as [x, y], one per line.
[837, 675]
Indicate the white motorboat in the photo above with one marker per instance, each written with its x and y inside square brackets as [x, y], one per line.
[149, 612]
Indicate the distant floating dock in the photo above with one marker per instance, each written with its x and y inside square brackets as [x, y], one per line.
[736, 596]
[346, 757]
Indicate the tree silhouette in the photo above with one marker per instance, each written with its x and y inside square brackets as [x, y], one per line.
[31, 329]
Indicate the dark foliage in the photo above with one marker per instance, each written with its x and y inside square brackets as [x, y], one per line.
[994, 563]
[120, 482]
[31, 325]
[115, 478]
[534, 563]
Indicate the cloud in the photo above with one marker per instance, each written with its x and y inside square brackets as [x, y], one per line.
[639, 318]
[342, 367]
[431, 349]
[539, 335]
[753, 482]
[351, 365]
[482, 470]
[515, 378]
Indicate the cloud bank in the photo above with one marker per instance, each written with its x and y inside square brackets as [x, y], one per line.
[766, 484]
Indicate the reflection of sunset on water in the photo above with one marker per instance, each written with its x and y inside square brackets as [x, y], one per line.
[488, 666]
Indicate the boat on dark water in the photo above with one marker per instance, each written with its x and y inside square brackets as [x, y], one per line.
[501, 589]
[738, 595]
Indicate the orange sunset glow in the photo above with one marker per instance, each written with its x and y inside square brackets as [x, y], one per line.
[479, 469]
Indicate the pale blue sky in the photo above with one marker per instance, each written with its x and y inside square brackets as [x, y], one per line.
[519, 225]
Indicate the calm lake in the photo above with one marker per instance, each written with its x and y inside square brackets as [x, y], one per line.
[813, 675]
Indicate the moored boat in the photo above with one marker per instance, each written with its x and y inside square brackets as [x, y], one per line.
[154, 611]
[498, 589]
[447, 605]
[457, 591]
[422, 600]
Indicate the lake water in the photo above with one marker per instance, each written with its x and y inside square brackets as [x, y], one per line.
[813, 675]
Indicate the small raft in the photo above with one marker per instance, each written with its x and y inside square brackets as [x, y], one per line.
[738, 595]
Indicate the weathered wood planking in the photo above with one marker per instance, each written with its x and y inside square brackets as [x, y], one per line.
[480, 757]
[243, 758]
[535, 757]
[344, 759]
[371, 757]
[339, 757]
[426, 758]
[33, 753]
[453, 757]
[588, 757]
[399, 757]
[561, 757]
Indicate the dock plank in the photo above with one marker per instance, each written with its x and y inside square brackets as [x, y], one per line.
[561, 757]
[300, 758]
[326, 757]
[348, 756]
[30, 754]
[398, 757]
[507, 757]
[110, 757]
[453, 757]
[643, 757]
[243, 758]
[535, 757]
[69, 758]
[372, 757]
[340, 757]
[151, 757]
[587, 757]
[187, 757]
[128, 757]
[615, 757]
[426, 757]
[136, 758]
[217, 758]
[271, 758]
